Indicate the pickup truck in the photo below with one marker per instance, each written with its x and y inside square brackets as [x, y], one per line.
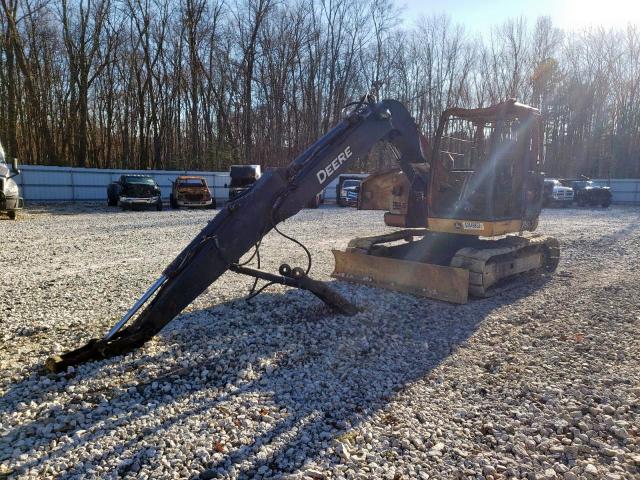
[242, 179]
[586, 192]
[191, 191]
[556, 194]
[132, 191]
[349, 191]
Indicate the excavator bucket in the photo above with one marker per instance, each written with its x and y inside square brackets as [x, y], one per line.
[450, 284]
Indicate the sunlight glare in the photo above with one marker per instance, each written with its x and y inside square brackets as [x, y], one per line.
[576, 14]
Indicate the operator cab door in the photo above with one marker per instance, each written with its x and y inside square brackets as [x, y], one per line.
[460, 189]
[480, 169]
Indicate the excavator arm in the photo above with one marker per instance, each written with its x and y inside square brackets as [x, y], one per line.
[242, 223]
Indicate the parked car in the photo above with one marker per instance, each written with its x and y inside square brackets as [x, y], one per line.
[349, 189]
[191, 191]
[556, 194]
[134, 191]
[242, 179]
[10, 199]
[585, 192]
[317, 200]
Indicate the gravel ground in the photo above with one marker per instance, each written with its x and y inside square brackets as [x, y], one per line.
[541, 381]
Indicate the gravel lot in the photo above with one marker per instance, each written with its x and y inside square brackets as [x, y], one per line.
[541, 381]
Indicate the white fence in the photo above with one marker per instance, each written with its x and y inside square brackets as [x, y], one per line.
[40, 183]
[58, 184]
[625, 191]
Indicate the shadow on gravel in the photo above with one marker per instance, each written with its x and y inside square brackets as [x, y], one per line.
[330, 373]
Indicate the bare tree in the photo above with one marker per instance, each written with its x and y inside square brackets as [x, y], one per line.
[15, 43]
[249, 17]
[88, 52]
[205, 83]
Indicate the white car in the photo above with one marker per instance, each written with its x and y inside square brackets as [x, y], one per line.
[557, 194]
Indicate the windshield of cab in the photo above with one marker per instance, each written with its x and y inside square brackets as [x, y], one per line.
[350, 183]
[139, 180]
[191, 182]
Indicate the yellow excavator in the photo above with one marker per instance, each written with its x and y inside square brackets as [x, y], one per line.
[470, 205]
[481, 179]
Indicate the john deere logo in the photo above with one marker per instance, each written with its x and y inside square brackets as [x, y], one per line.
[334, 165]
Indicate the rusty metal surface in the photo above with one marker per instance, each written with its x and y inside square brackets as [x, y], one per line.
[190, 177]
[508, 109]
[509, 257]
[426, 280]
[377, 191]
[191, 193]
[298, 279]
[365, 243]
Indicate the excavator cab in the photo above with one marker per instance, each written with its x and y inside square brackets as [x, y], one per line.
[483, 181]
[484, 175]
[485, 171]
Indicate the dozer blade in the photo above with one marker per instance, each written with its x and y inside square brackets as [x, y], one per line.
[423, 279]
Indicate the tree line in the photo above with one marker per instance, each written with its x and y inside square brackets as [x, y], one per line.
[202, 84]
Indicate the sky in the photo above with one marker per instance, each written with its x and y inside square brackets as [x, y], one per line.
[480, 15]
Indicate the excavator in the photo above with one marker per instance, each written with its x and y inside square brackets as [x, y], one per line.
[482, 184]
[463, 206]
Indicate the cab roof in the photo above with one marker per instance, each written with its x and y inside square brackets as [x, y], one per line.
[508, 110]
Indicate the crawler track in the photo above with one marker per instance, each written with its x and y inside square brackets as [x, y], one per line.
[513, 255]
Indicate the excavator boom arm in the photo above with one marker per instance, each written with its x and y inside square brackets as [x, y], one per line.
[278, 195]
